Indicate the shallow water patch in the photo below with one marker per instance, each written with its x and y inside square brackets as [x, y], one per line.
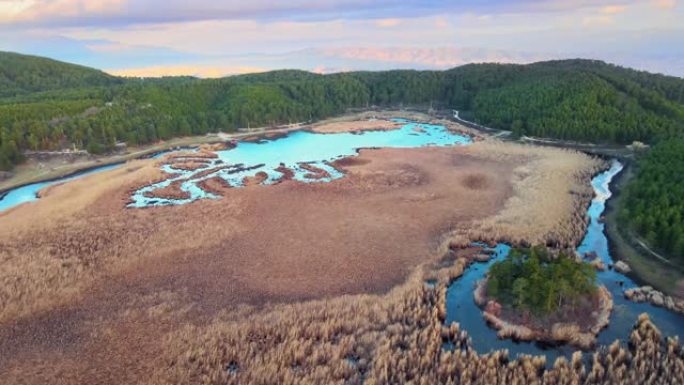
[29, 192]
[302, 156]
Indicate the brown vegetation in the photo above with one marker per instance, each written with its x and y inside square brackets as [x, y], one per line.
[371, 119]
[203, 152]
[189, 164]
[655, 297]
[552, 193]
[258, 178]
[214, 185]
[314, 172]
[288, 174]
[355, 126]
[291, 283]
[475, 181]
[172, 191]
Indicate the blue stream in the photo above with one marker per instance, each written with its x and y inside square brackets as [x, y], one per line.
[462, 308]
[29, 192]
[293, 150]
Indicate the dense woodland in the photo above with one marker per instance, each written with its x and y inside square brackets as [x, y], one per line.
[48, 105]
[534, 280]
[654, 203]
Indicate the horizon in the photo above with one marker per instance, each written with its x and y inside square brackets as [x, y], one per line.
[207, 39]
[133, 76]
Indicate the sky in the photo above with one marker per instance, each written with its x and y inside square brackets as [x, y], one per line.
[211, 38]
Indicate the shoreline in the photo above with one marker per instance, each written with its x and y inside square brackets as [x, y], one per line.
[148, 151]
[645, 270]
[74, 170]
[558, 334]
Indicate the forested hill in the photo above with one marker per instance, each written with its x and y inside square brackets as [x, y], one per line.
[46, 104]
[572, 99]
[21, 74]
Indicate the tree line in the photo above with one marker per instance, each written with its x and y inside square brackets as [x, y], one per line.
[47, 105]
[654, 200]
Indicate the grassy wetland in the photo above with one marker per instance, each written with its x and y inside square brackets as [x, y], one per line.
[341, 282]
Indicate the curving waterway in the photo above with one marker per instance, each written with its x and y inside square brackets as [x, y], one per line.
[461, 307]
[297, 149]
[294, 151]
[29, 192]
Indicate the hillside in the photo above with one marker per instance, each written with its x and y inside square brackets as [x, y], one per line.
[45, 104]
[573, 99]
[654, 205]
[22, 74]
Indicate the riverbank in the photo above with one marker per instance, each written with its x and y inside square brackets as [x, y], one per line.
[580, 330]
[34, 171]
[646, 269]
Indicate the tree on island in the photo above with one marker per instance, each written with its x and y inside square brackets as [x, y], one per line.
[533, 279]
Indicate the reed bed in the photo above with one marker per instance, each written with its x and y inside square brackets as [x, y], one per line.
[354, 125]
[552, 192]
[397, 338]
[390, 337]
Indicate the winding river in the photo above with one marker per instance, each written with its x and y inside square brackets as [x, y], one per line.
[29, 192]
[461, 307]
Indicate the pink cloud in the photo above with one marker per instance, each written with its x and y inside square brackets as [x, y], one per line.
[440, 57]
[46, 9]
[197, 70]
[665, 4]
[613, 9]
[387, 23]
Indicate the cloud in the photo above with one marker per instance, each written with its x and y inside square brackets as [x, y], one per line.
[613, 9]
[665, 4]
[197, 70]
[387, 23]
[170, 36]
[600, 20]
[80, 13]
[436, 58]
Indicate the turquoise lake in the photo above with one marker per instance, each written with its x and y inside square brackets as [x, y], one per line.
[292, 151]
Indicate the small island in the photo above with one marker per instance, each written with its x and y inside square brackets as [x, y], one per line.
[536, 295]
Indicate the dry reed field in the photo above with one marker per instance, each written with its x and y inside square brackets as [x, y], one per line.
[382, 120]
[354, 126]
[292, 283]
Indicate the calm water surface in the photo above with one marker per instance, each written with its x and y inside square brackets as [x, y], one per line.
[292, 151]
[29, 193]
